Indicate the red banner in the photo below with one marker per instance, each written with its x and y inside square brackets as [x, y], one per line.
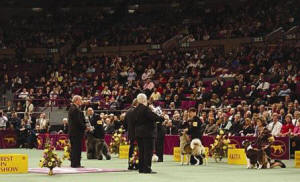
[8, 139]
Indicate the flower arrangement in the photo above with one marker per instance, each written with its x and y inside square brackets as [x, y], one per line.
[50, 158]
[117, 140]
[134, 160]
[67, 152]
[219, 148]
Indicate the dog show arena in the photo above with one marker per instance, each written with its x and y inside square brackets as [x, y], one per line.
[168, 171]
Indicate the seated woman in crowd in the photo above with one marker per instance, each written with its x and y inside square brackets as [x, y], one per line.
[288, 127]
[248, 129]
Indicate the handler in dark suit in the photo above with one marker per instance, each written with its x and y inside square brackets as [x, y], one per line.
[160, 140]
[76, 130]
[195, 129]
[129, 125]
[145, 133]
[96, 146]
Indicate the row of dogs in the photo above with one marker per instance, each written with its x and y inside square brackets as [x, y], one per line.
[255, 158]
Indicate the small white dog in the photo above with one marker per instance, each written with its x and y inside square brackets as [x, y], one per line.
[154, 158]
[198, 151]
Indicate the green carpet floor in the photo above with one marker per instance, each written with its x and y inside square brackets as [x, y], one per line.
[168, 171]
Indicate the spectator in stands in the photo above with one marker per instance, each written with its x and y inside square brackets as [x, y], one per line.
[236, 127]
[248, 129]
[215, 100]
[296, 117]
[29, 106]
[131, 75]
[15, 120]
[42, 124]
[148, 86]
[109, 127]
[155, 95]
[263, 85]
[288, 127]
[3, 120]
[24, 94]
[224, 124]
[296, 131]
[284, 91]
[275, 126]
[211, 128]
[65, 126]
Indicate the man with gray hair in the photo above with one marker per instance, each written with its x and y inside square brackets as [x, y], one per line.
[76, 130]
[145, 124]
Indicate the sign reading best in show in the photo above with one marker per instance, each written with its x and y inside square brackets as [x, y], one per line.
[13, 163]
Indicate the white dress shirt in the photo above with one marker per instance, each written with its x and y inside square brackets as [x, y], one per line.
[275, 128]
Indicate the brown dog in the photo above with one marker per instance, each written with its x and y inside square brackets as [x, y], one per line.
[185, 147]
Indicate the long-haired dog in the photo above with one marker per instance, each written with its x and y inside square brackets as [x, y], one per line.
[256, 158]
[194, 148]
[198, 151]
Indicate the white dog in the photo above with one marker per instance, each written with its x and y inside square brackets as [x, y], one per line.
[194, 148]
[198, 151]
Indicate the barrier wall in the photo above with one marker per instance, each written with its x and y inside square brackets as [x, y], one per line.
[280, 148]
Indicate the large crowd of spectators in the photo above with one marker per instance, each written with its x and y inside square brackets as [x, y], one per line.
[205, 77]
[229, 90]
[154, 26]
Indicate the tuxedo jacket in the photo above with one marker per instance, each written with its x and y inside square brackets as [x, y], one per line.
[145, 122]
[76, 121]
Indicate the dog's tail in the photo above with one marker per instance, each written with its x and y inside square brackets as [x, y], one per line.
[195, 142]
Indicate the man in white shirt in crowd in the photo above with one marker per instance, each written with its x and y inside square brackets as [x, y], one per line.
[296, 117]
[3, 121]
[263, 85]
[275, 125]
[23, 94]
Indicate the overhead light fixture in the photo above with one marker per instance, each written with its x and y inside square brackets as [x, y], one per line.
[37, 9]
[131, 11]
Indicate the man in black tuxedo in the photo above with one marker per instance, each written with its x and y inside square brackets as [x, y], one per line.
[195, 129]
[77, 127]
[145, 125]
[96, 145]
[129, 125]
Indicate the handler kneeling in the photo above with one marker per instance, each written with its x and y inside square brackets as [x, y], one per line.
[96, 145]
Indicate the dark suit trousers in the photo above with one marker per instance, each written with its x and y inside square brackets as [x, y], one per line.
[159, 148]
[145, 154]
[131, 149]
[75, 150]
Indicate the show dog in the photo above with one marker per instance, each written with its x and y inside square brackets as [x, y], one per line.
[194, 148]
[255, 158]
